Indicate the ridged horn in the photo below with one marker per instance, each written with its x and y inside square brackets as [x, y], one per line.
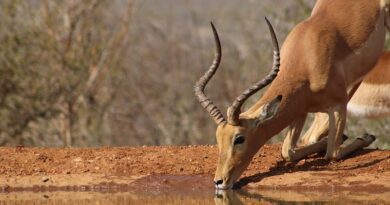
[200, 85]
[235, 109]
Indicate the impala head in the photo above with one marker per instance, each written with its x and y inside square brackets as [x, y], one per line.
[237, 138]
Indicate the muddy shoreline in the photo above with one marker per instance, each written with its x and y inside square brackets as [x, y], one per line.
[187, 169]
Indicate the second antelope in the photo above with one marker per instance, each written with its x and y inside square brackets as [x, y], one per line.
[322, 58]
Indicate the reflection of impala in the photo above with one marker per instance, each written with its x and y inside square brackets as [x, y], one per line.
[322, 59]
[371, 100]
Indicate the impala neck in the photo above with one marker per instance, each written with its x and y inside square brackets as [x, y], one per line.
[292, 106]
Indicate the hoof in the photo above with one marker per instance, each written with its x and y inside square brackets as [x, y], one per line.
[368, 139]
[328, 157]
[332, 158]
[289, 157]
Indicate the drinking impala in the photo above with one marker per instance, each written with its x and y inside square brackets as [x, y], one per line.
[322, 58]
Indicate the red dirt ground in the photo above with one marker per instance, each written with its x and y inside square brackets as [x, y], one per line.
[27, 167]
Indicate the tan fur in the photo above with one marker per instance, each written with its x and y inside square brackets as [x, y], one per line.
[380, 73]
[319, 64]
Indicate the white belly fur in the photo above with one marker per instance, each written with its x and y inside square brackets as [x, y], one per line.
[367, 111]
[370, 101]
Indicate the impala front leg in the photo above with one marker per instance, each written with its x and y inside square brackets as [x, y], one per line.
[289, 152]
[320, 125]
[337, 119]
[317, 130]
[291, 139]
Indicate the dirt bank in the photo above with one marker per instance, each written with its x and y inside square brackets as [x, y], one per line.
[153, 168]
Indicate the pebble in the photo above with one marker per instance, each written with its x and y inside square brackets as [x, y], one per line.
[45, 179]
[78, 159]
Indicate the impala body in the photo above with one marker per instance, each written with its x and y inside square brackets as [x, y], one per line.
[322, 58]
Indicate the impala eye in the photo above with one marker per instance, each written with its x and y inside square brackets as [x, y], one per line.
[239, 139]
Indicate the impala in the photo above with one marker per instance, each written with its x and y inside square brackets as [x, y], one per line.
[322, 58]
[369, 100]
[372, 98]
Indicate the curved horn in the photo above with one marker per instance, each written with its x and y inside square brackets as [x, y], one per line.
[235, 109]
[200, 85]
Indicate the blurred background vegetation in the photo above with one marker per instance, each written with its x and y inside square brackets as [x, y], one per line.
[121, 72]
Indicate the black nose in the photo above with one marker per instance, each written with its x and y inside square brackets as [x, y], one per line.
[218, 182]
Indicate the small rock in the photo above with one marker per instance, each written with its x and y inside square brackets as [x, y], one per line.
[45, 179]
[181, 169]
[78, 159]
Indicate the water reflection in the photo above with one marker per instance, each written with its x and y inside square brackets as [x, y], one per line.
[227, 198]
[237, 197]
[285, 197]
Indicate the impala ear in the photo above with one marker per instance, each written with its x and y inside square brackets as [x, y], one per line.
[269, 110]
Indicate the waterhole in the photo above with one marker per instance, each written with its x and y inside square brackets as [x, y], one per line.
[182, 190]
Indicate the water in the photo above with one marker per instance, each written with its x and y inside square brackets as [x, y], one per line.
[192, 198]
[195, 189]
